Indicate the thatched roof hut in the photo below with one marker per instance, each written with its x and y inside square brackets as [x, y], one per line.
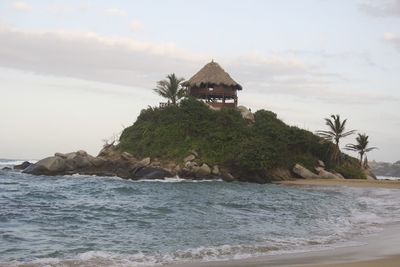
[214, 85]
[212, 74]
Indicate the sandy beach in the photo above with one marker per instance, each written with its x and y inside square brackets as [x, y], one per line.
[340, 182]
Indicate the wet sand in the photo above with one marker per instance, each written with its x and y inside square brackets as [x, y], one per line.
[341, 182]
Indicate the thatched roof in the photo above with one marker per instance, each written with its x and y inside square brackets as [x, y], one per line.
[212, 74]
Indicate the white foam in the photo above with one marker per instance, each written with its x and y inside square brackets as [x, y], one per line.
[387, 178]
[177, 180]
[11, 162]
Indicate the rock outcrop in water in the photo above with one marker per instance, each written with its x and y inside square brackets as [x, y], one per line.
[194, 142]
[109, 162]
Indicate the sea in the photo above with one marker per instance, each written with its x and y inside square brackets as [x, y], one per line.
[104, 221]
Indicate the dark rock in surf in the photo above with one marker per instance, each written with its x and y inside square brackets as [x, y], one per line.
[22, 166]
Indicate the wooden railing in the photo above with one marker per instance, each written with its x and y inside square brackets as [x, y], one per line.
[217, 91]
[220, 105]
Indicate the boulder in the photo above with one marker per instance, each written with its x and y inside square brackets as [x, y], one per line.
[145, 161]
[109, 152]
[190, 165]
[6, 169]
[321, 163]
[227, 177]
[194, 152]
[61, 155]
[98, 162]
[22, 166]
[338, 175]
[215, 170]
[279, 174]
[152, 173]
[369, 174]
[323, 174]
[126, 155]
[202, 171]
[304, 172]
[82, 162]
[246, 113]
[47, 166]
[191, 157]
[82, 153]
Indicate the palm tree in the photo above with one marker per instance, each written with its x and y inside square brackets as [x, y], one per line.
[337, 131]
[171, 88]
[361, 147]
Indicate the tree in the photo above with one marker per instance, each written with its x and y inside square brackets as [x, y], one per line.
[171, 88]
[361, 147]
[337, 131]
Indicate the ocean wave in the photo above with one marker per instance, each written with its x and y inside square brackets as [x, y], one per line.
[200, 254]
[387, 178]
[12, 162]
[175, 179]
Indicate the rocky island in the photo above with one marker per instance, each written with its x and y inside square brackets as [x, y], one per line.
[192, 141]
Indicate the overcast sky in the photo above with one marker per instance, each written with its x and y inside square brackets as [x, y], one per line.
[73, 73]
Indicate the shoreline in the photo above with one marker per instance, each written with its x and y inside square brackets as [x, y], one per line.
[375, 250]
[387, 184]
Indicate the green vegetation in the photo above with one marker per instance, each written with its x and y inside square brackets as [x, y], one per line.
[171, 88]
[362, 148]
[337, 131]
[224, 138]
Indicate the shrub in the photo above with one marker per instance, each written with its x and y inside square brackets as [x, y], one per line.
[222, 137]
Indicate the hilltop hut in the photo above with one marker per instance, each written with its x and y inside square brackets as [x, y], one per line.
[215, 86]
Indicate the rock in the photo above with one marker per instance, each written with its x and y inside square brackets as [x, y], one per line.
[152, 173]
[321, 163]
[279, 174]
[71, 155]
[158, 164]
[81, 162]
[246, 113]
[190, 165]
[304, 172]
[323, 174]
[145, 161]
[191, 157]
[98, 162]
[215, 170]
[194, 152]
[177, 169]
[227, 177]
[369, 174]
[6, 169]
[338, 175]
[126, 155]
[22, 166]
[202, 171]
[109, 152]
[61, 155]
[47, 166]
[82, 153]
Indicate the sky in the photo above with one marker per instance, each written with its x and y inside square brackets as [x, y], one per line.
[75, 73]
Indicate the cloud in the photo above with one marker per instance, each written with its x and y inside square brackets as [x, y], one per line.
[129, 62]
[392, 39]
[382, 8]
[116, 12]
[136, 26]
[64, 9]
[21, 6]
